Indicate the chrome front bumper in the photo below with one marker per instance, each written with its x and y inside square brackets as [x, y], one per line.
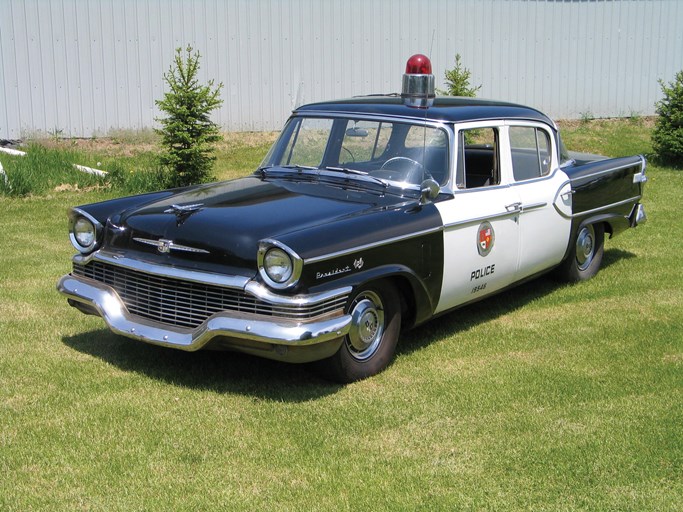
[240, 331]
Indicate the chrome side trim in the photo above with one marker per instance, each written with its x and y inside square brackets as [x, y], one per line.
[476, 220]
[601, 208]
[534, 206]
[605, 171]
[373, 245]
[236, 326]
[163, 270]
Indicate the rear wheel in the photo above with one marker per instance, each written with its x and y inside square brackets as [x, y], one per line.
[585, 256]
[371, 342]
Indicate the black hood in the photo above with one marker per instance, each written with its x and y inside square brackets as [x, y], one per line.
[228, 219]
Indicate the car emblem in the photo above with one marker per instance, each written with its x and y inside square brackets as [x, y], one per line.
[485, 238]
[165, 246]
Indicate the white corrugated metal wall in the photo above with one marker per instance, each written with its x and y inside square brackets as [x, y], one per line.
[84, 67]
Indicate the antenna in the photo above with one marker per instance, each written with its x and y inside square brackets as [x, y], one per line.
[431, 46]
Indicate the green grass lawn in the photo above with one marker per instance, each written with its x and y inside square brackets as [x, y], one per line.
[547, 397]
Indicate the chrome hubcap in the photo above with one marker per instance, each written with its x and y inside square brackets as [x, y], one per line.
[585, 247]
[367, 325]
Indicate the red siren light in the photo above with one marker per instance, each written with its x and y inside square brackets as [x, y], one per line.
[418, 82]
[419, 64]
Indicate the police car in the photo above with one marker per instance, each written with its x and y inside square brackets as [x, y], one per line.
[368, 216]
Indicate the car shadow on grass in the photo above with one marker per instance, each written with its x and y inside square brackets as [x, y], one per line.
[493, 307]
[217, 371]
[233, 372]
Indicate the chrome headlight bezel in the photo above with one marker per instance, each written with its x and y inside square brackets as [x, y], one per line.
[79, 217]
[278, 251]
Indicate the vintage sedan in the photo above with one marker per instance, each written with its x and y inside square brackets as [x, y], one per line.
[368, 216]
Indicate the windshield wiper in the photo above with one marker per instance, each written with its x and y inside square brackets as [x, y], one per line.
[299, 167]
[264, 169]
[356, 172]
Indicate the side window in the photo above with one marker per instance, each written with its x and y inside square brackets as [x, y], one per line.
[478, 161]
[530, 149]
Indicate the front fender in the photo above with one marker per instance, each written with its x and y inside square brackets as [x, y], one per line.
[419, 302]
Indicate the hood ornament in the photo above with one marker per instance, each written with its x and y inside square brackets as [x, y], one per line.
[165, 246]
[183, 211]
[179, 209]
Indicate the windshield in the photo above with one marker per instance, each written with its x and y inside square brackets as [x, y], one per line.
[401, 153]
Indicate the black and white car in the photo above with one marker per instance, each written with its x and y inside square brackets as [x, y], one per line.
[368, 216]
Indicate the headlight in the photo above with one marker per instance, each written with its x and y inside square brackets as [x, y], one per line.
[279, 266]
[84, 233]
[83, 230]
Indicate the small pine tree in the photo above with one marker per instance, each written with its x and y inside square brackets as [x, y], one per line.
[187, 132]
[667, 137]
[458, 81]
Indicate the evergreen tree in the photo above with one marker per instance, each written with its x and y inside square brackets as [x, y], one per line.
[458, 81]
[187, 132]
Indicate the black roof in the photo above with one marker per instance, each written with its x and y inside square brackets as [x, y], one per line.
[446, 108]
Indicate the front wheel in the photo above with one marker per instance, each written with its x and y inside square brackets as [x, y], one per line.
[370, 344]
[585, 255]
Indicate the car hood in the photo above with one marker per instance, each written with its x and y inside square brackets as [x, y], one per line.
[223, 222]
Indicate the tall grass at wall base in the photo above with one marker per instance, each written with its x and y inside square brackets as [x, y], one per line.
[48, 169]
[43, 170]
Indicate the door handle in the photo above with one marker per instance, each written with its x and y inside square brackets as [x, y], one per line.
[513, 207]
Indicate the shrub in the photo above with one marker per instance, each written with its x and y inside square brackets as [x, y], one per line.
[187, 133]
[667, 137]
[458, 81]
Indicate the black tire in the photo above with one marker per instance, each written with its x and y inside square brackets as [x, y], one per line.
[370, 345]
[585, 255]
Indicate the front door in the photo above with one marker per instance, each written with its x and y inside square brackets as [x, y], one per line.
[481, 222]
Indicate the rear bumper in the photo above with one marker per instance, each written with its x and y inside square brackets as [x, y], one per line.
[272, 337]
[638, 215]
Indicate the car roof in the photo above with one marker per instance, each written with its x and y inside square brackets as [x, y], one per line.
[445, 108]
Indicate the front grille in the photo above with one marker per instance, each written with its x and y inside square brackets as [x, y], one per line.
[187, 304]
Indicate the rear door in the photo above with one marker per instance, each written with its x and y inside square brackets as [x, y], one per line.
[544, 195]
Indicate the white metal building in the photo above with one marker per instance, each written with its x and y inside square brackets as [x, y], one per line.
[84, 67]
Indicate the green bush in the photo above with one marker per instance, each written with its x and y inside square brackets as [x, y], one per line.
[667, 137]
[187, 132]
[458, 81]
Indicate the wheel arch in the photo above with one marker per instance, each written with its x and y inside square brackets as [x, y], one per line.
[417, 304]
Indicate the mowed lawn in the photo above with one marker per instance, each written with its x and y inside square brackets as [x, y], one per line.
[547, 397]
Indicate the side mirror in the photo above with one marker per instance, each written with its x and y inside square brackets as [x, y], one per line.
[429, 190]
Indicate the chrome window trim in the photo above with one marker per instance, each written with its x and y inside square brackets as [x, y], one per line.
[373, 245]
[442, 125]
